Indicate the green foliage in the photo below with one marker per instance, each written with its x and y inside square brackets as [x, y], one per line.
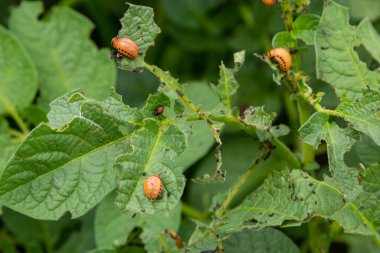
[155, 148]
[72, 170]
[318, 175]
[112, 226]
[18, 75]
[62, 64]
[369, 38]
[138, 25]
[337, 62]
[288, 199]
[363, 115]
[265, 240]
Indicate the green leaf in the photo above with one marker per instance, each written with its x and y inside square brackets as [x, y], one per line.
[280, 130]
[337, 61]
[64, 108]
[68, 169]
[18, 84]
[201, 241]
[154, 228]
[304, 28]
[64, 63]
[283, 39]
[312, 131]
[138, 24]
[339, 141]
[7, 147]
[291, 198]
[155, 150]
[179, 108]
[368, 36]
[367, 151]
[102, 251]
[363, 115]
[372, 179]
[364, 8]
[112, 226]
[267, 240]
[34, 114]
[239, 58]
[227, 85]
[159, 99]
[259, 119]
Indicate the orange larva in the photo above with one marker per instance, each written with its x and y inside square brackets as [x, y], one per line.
[126, 47]
[177, 238]
[153, 187]
[281, 57]
[269, 2]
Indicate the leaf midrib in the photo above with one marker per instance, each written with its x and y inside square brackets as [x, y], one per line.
[145, 165]
[76, 158]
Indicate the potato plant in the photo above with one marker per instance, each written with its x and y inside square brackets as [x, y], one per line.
[84, 171]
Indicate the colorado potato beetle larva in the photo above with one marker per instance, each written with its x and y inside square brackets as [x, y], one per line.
[153, 187]
[269, 2]
[126, 47]
[281, 57]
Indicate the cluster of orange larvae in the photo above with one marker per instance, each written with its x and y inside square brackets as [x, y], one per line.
[153, 186]
[128, 48]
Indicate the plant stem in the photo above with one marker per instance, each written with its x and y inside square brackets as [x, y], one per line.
[190, 212]
[237, 187]
[304, 111]
[14, 114]
[281, 148]
[172, 83]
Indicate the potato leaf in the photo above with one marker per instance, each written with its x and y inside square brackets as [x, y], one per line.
[337, 61]
[60, 47]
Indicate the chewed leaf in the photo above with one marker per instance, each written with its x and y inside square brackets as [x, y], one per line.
[155, 150]
[339, 141]
[68, 169]
[138, 25]
[304, 28]
[363, 115]
[154, 101]
[227, 84]
[369, 37]
[286, 199]
[312, 131]
[337, 61]
[256, 117]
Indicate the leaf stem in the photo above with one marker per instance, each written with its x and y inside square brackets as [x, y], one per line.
[190, 212]
[281, 148]
[14, 114]
[172, 83]
[238, 186]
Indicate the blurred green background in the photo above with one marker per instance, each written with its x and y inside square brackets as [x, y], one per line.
[197, 35]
